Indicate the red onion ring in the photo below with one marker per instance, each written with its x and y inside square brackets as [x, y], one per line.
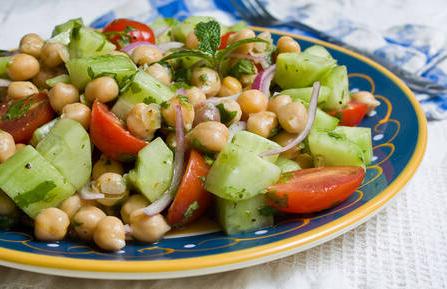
[311, 112]
[86, 193]
[159, 205]
[264, 79]
[217, 100]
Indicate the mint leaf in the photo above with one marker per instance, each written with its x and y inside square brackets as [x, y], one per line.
[226, 116]
[190, 53]
[243, 66]
[208, 34]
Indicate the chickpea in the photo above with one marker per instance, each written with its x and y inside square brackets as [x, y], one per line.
[7, 206]
[210, 136]
[241, 35]
[278, 101]
[146, 228]
[367, 98]
[31, 44]
[103, 89]
[160, 73]
[86, 220]
[146, 55]
[78, 112]
[20, 146]
[195, 95]
[293, 117]
[109, 234]
[53, 54]
[106, 165]
[71, 205]
[62, 94]
[230, 86]
[51, 224]
[206, 112]
[247, 80]
[133, 203]
[7, 146]
[21, 89]
[168, 112]
[305, 161]
[191, 41]
[284, 138]
[23, 67]
[231, 107]
[113, 187]
[207, 80]
[252, 101]
[262, 123]
[143, 120]
[288, 44]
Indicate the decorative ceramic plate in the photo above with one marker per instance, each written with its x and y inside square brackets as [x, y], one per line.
[399, 139]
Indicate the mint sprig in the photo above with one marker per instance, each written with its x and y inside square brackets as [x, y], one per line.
[208, 34]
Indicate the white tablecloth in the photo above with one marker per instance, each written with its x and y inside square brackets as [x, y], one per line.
[404, 246]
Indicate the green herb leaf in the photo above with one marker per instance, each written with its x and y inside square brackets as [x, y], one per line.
[18, 109]
[178, 85]
[191, 53]
[243, 66]
[224, 53]
[208, 34]
[149, 100]
[40, 193]
[190, 210]
[226, 116]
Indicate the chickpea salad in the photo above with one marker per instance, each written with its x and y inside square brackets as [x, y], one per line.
[129, 132]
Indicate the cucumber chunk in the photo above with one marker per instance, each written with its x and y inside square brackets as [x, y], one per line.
[32, 182]
[255, 143]
[4, 61]
[305, 93]
[296, 70]
[318, 50]
[334, 149]
[82, 70]
[238, 174]
[64, 78]
[180, 31]
[242, 216]
[40, 133]
[67, 26]
[337, 81]
[144, 88]
[86, 42]
[153, 170]
[361, 136]
[324, 121]
[287, 165]
[67, 147]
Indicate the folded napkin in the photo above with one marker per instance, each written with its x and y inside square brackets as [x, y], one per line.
[415, 48]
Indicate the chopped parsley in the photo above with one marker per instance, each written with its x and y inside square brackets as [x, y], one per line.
[40, 193]
[18, 109]
[226, 116]
[190, 211]
[208, 34]
[242, 67]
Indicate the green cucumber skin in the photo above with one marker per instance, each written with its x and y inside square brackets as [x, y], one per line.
[360, 136]
[32, 182]
[86, 42]
[119, 66]
[238, 174]
[242, 216]
[4, 62]
[337, 81]
[67, 26]
[64, 78]
[153, 170]
[318, 50]
[67, 147]
[334, 149]
[180, 31]
[297, 70]
[287, 165]
[324, 121]
[144, 88]
[305, 93]
[40, 133]
[255, 143]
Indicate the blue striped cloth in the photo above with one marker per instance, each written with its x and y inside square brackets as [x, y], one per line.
[418, 49]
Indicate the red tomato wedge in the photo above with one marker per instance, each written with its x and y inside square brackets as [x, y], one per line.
[21, 118]
[352, 114]
[316, 189]
[123, 31]
[192, 200]
[109, 136]
[224, 39]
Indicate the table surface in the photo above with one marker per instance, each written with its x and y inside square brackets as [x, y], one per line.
[404, 246]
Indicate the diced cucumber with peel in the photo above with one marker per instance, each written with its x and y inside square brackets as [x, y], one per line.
[334, 149]
[323, 121]
[32, 182]
[337, 81]
[64, 78]
[238, 174]
[287, 165]
[153, 170]
[86, 42]
[67, 147]
[360, 136]
[82, 70]
[255, 143]
[318, 50]
[242, 216]
[67, 26]
[296, 70]
[305, 94]
[4, 61]
[144, 88]
[180, 31]
[40, 133]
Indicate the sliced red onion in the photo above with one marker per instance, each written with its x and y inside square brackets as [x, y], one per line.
[217, 100]
[311, 112]
[159, 205]
[170, 45]
[264, 79]
[160, 30]
[235, 128]
[87, 193]
[180, 91]
[4, 82]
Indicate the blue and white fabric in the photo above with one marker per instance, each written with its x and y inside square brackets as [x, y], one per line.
[416, 48]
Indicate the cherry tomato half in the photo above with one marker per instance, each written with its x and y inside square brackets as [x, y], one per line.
[224, 39]
[110, 137]
[122, 32]
[352, 114]
[315, 189]
[21, 118]
[191, 200]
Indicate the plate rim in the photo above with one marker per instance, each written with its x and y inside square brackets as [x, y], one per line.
[250, 256]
